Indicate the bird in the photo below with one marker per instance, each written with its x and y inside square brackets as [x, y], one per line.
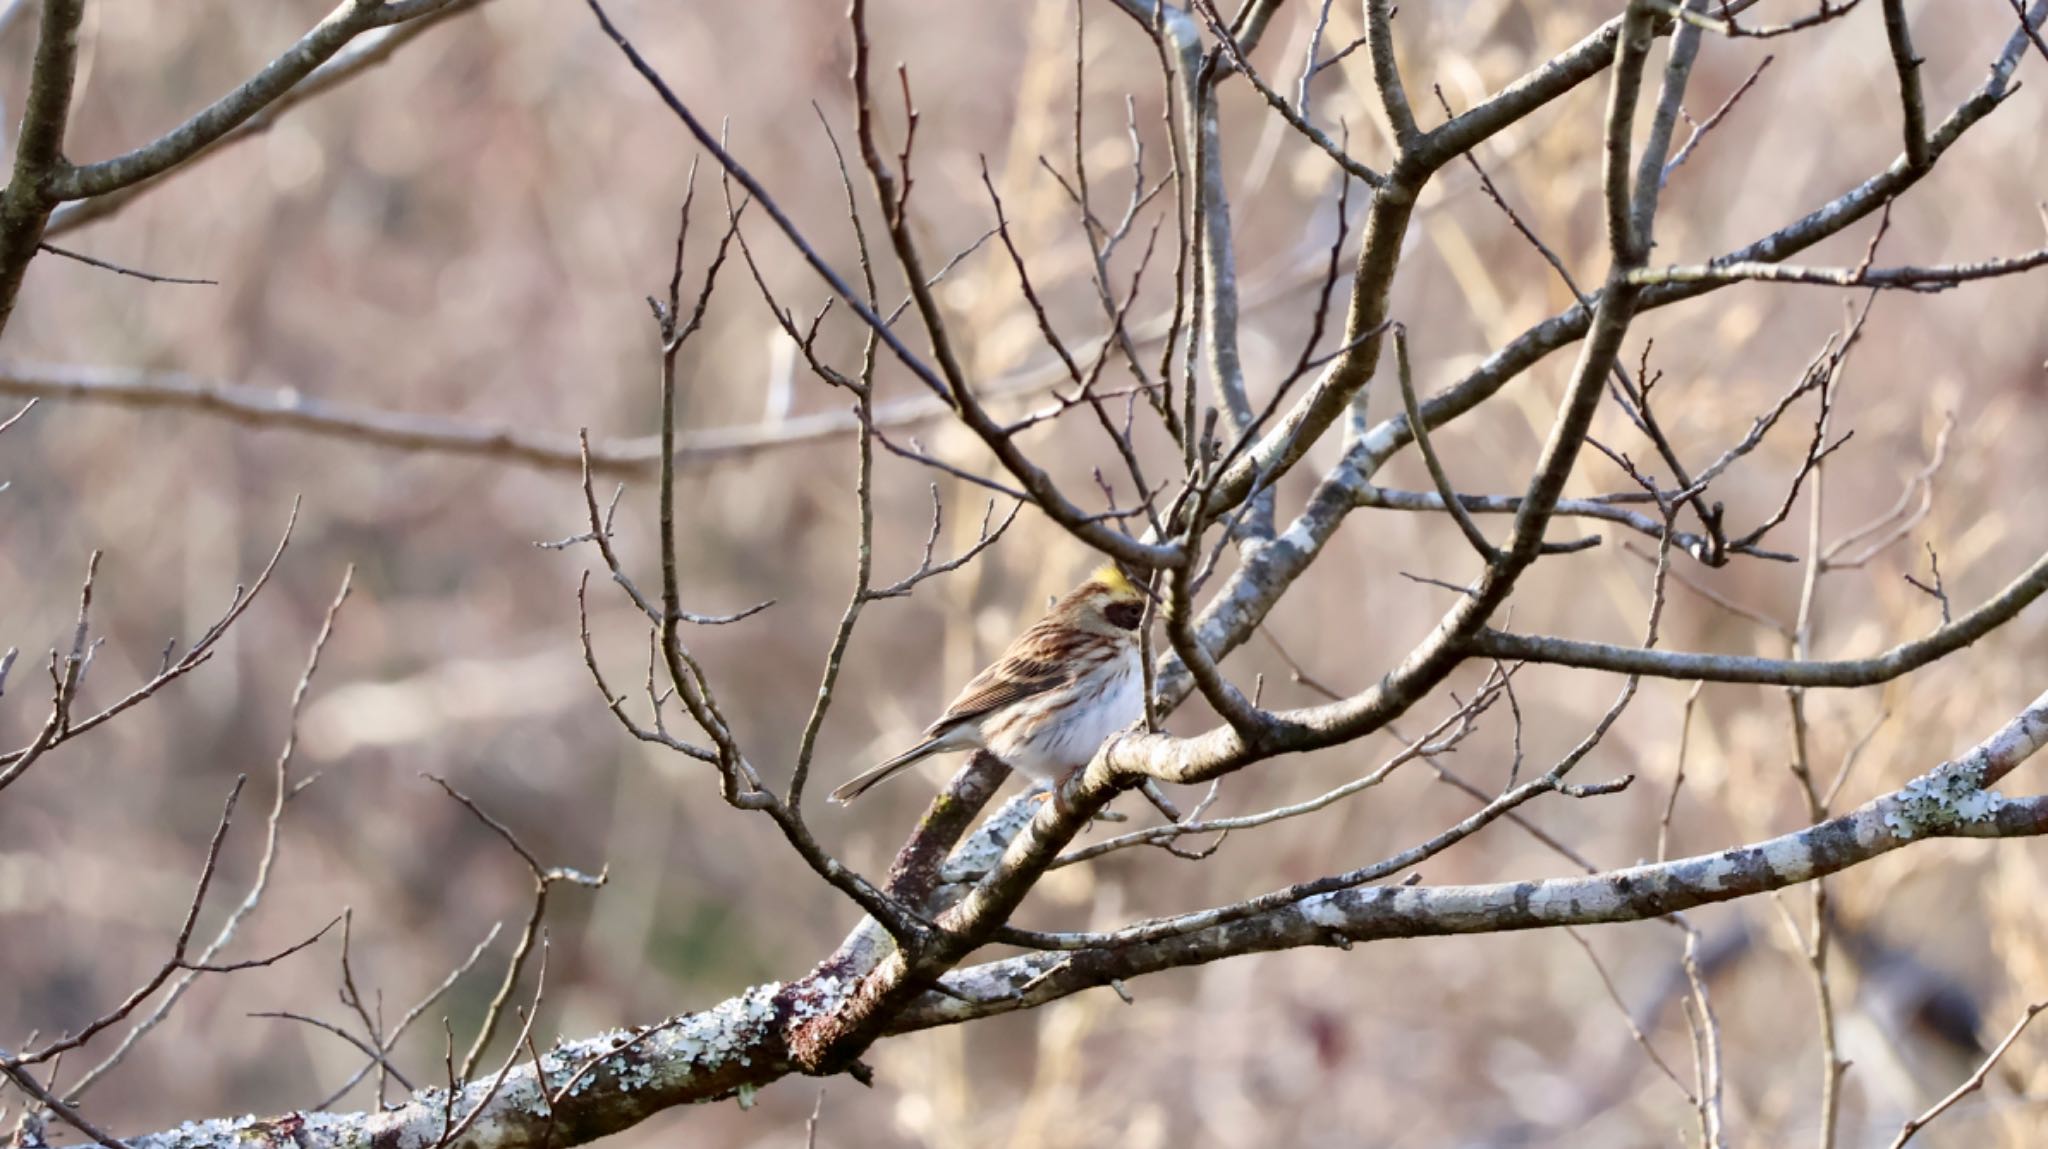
[1054, 696]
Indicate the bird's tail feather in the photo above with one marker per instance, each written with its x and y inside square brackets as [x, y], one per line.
[874, 776]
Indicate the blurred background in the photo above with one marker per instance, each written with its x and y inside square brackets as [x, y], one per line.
[470, 231]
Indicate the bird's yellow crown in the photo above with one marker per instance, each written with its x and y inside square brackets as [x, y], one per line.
[1112, 578]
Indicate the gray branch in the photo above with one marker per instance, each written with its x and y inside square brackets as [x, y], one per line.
[583, 1090]
[348, 20]
[293, 410]
[362, 55]
[1884, 667]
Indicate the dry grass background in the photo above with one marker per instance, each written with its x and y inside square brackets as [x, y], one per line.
[471, 230]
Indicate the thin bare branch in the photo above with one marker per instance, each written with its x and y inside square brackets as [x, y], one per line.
[1972, 1083]
[284, 789]
[117, 269]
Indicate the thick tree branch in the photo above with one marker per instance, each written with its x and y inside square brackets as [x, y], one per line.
[1379, 913]
[1926, 279]
[743, 1044]
[26, 202]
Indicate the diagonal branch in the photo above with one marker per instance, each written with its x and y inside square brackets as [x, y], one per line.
[952, 385]
[350, 19]
[1907, 63]
[1899, 660]
[1953, 800]
[743, 1043]
[363, 54]
[1922, 279]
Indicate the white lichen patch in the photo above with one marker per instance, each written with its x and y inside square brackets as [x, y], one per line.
[1789, 856]
[707, 1040]
[985, 847]
[193, 1134]
[1325, 910]
[823, 996]
[1943, 800]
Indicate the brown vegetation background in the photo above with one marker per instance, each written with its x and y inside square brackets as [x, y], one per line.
[471, 232]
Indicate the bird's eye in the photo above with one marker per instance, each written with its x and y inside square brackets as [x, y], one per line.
[1125, 615]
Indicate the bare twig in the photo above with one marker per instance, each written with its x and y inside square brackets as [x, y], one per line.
[1973, 1082]
[544, 878]
[117, 269]
[1912, 507]
[66, 727]
[378, 1056]
[1445, 491]
[171, 965]
[1700, 130]
[283, 792]
[1441, 738]
[66, 1111]
[451, 1134]
[1635, 1031]
[418, 1009]
[1692, 698]
[1933, 589]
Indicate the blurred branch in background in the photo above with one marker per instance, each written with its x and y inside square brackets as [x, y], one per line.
[415, 433]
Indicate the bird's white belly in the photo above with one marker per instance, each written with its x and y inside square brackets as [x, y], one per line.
[1062, 745]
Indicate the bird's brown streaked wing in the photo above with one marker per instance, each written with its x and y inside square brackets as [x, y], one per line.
[1006, 682]
[1028, 668]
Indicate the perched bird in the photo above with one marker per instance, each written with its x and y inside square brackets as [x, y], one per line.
[1060, 690]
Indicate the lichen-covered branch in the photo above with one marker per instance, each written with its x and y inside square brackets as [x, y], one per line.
[587, 1089]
